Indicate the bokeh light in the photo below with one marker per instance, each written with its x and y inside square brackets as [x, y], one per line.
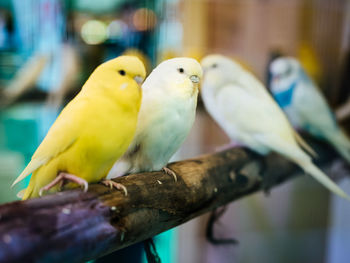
[94, 32]
[116, 29]
[144, 19]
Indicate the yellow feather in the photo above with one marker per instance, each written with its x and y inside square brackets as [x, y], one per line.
[93, 130]
[20, 194]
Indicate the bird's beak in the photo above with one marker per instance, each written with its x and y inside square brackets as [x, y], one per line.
[194, 79]
[138, 79]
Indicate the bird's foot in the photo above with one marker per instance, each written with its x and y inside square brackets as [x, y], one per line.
[110, 183]
[268, 176]
[170, 172]
[151, 251]
[214, 217]
[65, 176]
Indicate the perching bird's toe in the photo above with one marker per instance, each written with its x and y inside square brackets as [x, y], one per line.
[112, 184]
[170, 172]
[64, 176]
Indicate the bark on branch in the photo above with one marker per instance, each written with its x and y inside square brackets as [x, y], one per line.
[73, 226]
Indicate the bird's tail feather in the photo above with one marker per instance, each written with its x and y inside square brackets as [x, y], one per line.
[304, 145]
[322, 178]
[120, 168]
[39, 179]
[29, 191]
[294, 153]
[21, 193]
[342, 144]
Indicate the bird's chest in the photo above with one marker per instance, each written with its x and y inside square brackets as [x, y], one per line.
[174, 123]
[169, 128]
[109, 140]
[298, 105]
[285, 97]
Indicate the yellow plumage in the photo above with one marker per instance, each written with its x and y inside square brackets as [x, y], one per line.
[93, 130]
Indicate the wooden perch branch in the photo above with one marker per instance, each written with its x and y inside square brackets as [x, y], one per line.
[73, 226]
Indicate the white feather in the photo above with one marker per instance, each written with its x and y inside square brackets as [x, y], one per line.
[166, 116]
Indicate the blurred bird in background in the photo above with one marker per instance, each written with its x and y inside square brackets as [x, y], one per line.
[249, 115]
[166, 116]
[304, 104]
[91, 132]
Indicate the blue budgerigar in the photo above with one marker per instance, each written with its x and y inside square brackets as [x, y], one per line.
[304, 104]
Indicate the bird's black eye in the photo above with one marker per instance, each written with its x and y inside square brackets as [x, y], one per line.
[181, 70]
[214, 65]
[122, 72]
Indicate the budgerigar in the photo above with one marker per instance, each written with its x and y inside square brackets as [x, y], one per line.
[304, 104]
[249, 115]
[92, 131]
[166, 116]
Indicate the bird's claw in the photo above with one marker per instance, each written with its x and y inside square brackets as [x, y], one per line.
[65, 176]
[111, 184]
[170, 172]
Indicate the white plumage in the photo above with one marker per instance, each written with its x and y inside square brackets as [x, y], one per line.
[166, 116]
[249, 115]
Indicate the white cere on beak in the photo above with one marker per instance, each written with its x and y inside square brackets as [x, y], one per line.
[138, 79]
[194, 79]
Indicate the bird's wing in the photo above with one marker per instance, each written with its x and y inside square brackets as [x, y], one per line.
[61, 136]
[313, 109]
[244, 116]
[274, 130]
[253, 85]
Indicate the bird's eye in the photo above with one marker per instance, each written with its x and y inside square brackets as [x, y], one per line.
[122, 72]
[181, 70]
[214, 65]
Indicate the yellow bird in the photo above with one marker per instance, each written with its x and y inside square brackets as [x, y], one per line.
[91, 132]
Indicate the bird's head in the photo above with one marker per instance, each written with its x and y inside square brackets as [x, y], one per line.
[284, 72]
[125, 67]
[177, 76]
[118, 79]
[219, 70]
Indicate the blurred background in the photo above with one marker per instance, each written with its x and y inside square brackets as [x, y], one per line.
[48, 48]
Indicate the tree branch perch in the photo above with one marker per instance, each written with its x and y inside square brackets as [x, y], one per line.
[73, 226]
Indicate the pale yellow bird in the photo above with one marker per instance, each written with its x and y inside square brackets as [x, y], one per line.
[91, 132]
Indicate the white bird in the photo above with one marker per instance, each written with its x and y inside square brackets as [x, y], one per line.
[305, 105]
[169, 101]
[249, 115]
